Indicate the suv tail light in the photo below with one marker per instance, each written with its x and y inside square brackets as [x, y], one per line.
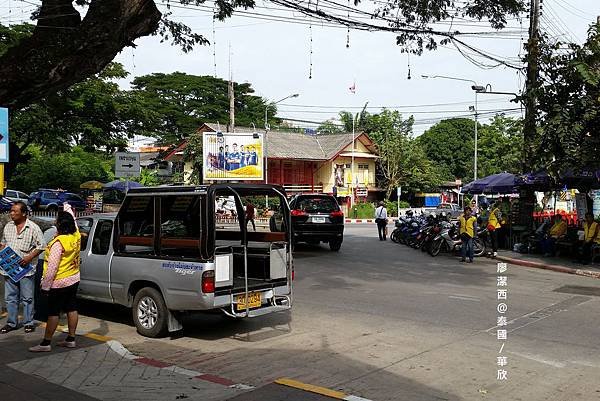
[298, 212]
[208, 282]
[337, 213]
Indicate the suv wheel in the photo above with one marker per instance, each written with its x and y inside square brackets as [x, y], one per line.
[335, 244]
[150, 313]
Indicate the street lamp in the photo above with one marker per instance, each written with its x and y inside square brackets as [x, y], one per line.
[477, 89]
[267, 128]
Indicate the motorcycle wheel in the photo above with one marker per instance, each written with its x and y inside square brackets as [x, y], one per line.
[435, 248]
[478, 247]
[394, 236]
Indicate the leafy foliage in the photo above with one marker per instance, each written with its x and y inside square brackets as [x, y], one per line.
[182, 102]
[403, 161]
[450, 143]
[63, 170]
[569, 105]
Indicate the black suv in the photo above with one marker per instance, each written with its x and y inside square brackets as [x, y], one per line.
[315, 218]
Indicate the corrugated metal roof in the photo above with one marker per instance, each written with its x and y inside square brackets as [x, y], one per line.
[298, 146]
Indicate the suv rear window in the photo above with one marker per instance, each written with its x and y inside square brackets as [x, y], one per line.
[317, 204]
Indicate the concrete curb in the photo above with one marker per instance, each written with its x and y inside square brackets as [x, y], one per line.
[318, 390]
[122, 351]
[556, 268]
[366, 221]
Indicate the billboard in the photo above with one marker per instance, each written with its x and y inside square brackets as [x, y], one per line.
[3, 135]
[232, 156]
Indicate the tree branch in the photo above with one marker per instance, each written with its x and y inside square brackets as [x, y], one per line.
[57, 56]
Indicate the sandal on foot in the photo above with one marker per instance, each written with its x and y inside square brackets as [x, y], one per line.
[7, 328]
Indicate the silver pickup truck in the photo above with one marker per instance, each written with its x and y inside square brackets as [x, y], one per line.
[164, 255]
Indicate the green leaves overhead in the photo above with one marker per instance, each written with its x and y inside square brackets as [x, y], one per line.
[569, 105]
[182, 102]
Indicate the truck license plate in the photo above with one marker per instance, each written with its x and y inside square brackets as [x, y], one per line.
[318, 219]
[255, 300]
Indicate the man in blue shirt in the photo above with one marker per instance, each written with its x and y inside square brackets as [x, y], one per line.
[234, 158]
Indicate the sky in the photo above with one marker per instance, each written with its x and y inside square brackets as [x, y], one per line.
[281, 52]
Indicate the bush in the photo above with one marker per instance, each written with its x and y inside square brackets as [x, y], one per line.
[404, 205]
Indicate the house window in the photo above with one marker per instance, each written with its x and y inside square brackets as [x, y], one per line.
[363, 166]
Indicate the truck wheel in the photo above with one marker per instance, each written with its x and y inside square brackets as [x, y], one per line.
[335, 244]
[150, 313]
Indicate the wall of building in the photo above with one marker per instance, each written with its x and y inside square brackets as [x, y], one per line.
[366, 176]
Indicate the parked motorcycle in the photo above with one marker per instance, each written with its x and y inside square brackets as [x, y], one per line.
[448, 240]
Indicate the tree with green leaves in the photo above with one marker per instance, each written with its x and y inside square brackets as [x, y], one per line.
[450, 143]
[569, 106]
[499, 146]
[182, 102]
[62, 170]
[402, 161]
[94, 114]
[79, 38]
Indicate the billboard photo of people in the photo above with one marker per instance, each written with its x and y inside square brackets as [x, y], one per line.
[233, 156]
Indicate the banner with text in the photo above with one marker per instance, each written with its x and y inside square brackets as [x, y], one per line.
[232, 156]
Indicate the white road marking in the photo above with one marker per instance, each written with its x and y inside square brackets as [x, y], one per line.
[465, 298]
[540, 359]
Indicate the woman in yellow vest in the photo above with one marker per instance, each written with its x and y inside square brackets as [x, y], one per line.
[467, 227]
[61, 279]
[591, 237]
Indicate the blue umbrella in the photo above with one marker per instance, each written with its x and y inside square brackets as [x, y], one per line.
[503, 183]
[122, 186]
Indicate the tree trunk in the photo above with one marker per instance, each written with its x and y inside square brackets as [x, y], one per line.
[64, 49]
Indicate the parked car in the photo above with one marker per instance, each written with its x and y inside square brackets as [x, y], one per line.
[315, 218]
[451, 209]
[52, 200]
[170, 261]
[15, 196]
[5, 204]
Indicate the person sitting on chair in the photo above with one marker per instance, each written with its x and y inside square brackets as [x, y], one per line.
[591, 237]
[558, 230]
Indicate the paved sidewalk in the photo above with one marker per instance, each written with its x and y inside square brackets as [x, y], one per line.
[97, 370]
[557, 264]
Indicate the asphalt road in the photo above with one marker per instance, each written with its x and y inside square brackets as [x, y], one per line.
[386, 322]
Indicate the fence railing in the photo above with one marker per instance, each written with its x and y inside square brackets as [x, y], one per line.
[290, 188]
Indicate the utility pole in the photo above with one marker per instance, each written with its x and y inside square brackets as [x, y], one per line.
[231, 125]
[529, 127]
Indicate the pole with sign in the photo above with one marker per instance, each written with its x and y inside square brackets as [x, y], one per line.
[127, 164]
[398, 193]
[3, 145]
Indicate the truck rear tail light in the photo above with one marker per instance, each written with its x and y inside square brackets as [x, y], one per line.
[208, 282]
[298, 212]
[337, 213]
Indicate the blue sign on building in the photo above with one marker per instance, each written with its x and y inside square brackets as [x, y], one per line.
[3, 135]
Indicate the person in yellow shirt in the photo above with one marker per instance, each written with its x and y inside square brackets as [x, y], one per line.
[493, 224]
[558, 230]
[591, 237]
[467, 227]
